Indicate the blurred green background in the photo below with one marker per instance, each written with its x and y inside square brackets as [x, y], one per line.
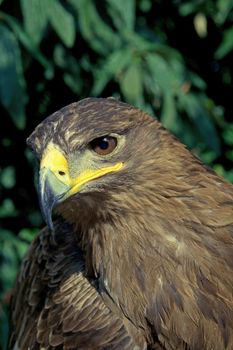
[172, 58]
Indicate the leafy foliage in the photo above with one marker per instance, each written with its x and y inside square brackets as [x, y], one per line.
[173, 59]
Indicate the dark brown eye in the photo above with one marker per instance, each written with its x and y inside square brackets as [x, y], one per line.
[104, 145]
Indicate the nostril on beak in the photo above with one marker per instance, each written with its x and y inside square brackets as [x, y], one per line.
[62, 173]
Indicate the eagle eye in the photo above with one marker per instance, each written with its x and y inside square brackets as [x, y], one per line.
[103, 145]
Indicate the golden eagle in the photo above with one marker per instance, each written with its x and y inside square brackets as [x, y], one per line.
[140, 255]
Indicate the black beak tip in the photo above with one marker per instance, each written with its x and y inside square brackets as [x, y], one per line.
[47, 215]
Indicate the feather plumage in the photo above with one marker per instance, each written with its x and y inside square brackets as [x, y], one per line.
[147, 260]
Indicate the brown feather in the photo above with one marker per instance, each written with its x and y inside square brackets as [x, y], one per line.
[157, 243]
[58, 307]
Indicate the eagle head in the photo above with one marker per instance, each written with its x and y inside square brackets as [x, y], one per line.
[89, 152]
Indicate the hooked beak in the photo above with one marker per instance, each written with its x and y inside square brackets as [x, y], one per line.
[51, 192]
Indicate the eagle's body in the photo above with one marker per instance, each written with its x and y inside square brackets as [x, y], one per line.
[142, 256]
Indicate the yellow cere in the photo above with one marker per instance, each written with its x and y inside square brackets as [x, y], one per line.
[55, 161]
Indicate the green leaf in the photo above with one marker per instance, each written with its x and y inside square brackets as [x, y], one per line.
[131, 83]
[26, 41]
[188, 7]
[166, 84]
[229, 176]
[162, 74]
[27, 234]
[168, 116]
[62, 22]
[228, 134]
[8, 177]
[219, 169]
[145, 5]
[35, 18]
[111, 68]
[223, 10]
[197, 81]
[21, 248]
[200, 24]
[70, 66]
[7, 209]
[140, 44]
[201, 119]
[73, 82]
[98, 34]
[226, 45]
[208, 156]
[12, 84]
[122, 13]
